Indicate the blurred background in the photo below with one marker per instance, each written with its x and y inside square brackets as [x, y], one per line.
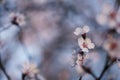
[47, 39]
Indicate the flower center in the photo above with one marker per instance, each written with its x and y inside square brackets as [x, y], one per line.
[84, 45]
[14, 20]
[113, 46]
[112, 15]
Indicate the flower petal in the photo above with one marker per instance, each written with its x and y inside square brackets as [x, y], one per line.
[87, 40]
[101, 19]
[80, 41]
[91, 45]
[77, 31]
[79, 57]
[85, 50]
[86, 29]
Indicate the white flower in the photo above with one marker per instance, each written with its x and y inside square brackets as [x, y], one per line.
[111, 45]
[106, 8]
[76, 59]
[29, 69]
[101, 19]
[77, 31]
[108, 17]
[112, 23]
[79, 63]
[79, 57]
[79, 60]
[83, 30]
[85, 44]
[17, 18]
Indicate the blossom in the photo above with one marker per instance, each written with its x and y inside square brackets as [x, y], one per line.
[77, 62]
[107, 15]
[78, 58]
[111, 45]
[81, 58]
[85, 44]
[83, 30]
[29, 69]
[101, 19]
[17, 19]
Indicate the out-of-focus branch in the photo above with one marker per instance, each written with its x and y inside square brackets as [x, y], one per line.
[88, 70]
[109, 62]
[23, 76]
[117, 4]
[3, 69]
[107, 66]
[80, 78]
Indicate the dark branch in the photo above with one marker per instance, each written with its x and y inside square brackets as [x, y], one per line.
[80, 78]
[3, 69]
[88, 70]
[23, 76]
[107, 66]
[117, 4]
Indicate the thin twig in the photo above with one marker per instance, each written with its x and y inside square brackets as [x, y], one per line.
[107, 66]
[88, 70]
[3, 69]
[23, 76]
[117, 5]
[80, 78]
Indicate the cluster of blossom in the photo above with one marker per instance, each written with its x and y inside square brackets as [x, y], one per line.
[14, 18]
[84, 43]
[30, 72]
[109, 17]
[17, 19]
[111, 45]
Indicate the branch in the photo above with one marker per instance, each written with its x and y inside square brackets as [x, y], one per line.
[23, 76]
[107, 66]
[80, 78]
[117, 4]
[88, 70]
[3, 69]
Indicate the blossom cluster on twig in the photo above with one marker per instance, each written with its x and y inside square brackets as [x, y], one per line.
[109, 17]
[29, 70]
[85, 44]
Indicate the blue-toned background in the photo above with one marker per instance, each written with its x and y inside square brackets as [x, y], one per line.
[48, 39]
